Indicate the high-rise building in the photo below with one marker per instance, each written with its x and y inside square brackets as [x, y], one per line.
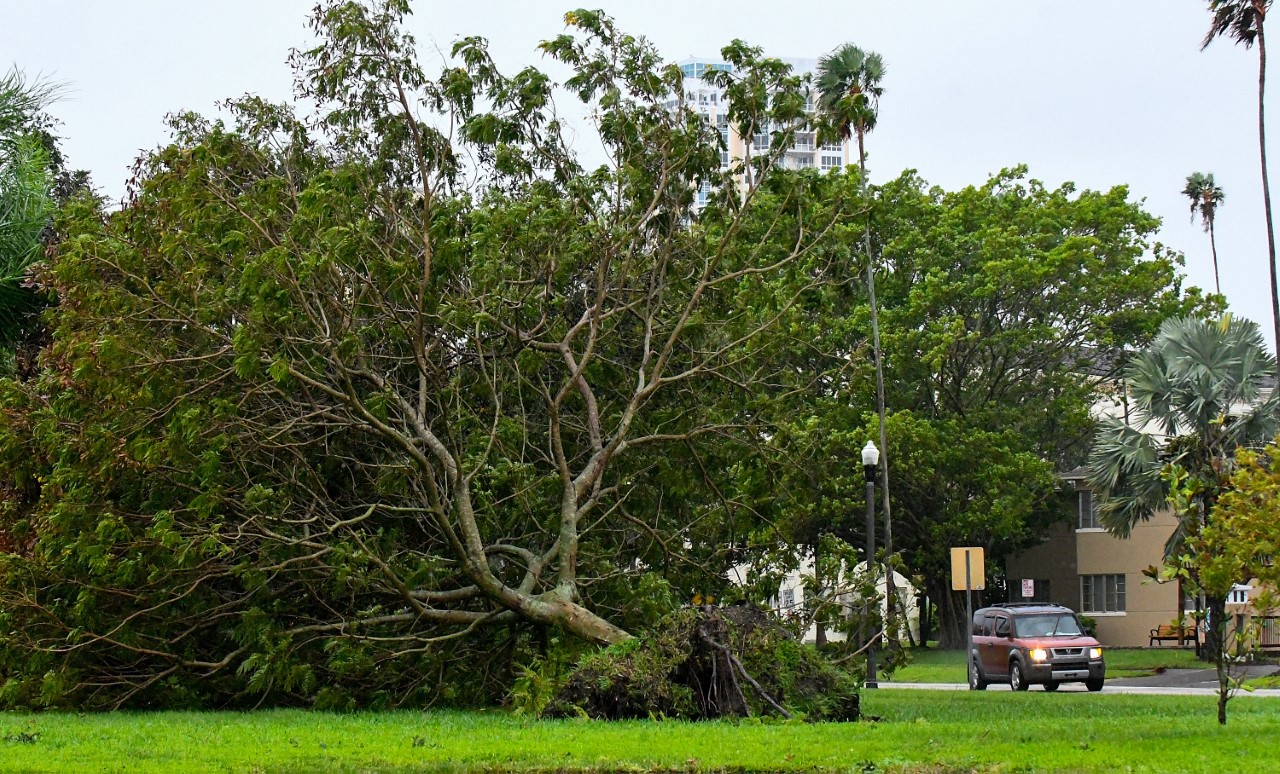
[710, 101]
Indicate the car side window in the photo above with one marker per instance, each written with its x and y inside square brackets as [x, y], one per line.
[1002, 627]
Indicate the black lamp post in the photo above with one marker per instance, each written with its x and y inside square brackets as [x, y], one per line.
[870, 461]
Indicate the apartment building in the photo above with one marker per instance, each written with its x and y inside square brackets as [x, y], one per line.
[710, 101]
[1082, 566]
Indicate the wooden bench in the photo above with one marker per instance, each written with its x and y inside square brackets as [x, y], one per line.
[1172, 633]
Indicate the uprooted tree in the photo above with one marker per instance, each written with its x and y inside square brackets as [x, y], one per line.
[710, 662]
[331, 396]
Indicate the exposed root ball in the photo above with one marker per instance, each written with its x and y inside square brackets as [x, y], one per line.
[710, 662]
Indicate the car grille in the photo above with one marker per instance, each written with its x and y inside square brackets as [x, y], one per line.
[1068, 651]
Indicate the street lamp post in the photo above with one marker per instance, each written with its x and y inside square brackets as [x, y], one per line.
[870, 460]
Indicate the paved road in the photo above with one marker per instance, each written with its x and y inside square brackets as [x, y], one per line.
[1171, 682]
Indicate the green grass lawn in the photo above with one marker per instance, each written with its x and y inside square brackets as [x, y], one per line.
[947, 666]
[919, 731]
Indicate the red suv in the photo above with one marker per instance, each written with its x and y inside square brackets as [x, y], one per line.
[1022, 643]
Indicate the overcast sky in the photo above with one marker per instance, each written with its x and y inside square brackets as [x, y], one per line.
[1098, 92]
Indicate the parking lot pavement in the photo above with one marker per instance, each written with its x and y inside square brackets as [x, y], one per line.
[1194, 678]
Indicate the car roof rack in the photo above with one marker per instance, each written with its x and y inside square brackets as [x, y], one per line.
[1015, 605]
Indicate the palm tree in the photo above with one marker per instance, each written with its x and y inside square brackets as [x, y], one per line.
[849, 94]
[1243, 21]
[1205, 196]
[1199, 396]
[26, 201]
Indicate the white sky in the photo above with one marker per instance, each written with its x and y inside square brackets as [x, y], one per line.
[1099, 92]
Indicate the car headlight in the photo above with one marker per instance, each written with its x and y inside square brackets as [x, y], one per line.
[1039, 654]
[1095, 653]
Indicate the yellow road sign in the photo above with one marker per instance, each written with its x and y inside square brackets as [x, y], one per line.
[977, 568]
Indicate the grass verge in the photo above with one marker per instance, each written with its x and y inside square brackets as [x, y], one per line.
[919, 731]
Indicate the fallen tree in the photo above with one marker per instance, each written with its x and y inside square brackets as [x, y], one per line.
[337, 403]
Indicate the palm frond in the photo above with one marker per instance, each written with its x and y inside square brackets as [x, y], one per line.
[21, 100]
[1201, 383]
[849, 88]
[25, 206]
[1124, 469]
[1235, 19]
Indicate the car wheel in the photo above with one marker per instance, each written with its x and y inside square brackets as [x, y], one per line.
[1017, 680]
[1094, 685]
[1051, 686]
[976, 681]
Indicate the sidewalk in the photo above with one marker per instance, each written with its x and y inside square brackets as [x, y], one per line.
[1192, 678]
[1179, 682]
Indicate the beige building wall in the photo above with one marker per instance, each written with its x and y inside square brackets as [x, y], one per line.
[1148, 604]
[1070, 553]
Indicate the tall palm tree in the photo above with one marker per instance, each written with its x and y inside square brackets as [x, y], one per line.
[1206, 196]
[1199, 396]
[849, 94]
[26, 200]
[1244, 21]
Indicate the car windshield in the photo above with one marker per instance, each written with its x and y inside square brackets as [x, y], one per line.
[1048, 625]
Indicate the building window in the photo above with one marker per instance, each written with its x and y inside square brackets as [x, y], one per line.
[1086, 511]
[831, 162]
[802, 162]
[760, 141]
[804, 142]
[1239, 595]
[832, 146]
[1102, 594]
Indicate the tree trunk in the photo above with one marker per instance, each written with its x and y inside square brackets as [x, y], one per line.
[1216, 643]
[1213, 249]
[1224, 690]
[884, 443]
[952, 621]
[926, 620]
[575, 619]
[1266, 186]
[819, 626]
[1215, 630]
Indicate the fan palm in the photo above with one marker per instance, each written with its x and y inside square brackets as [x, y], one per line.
[1206, 196]
[1244, 22]
[1200, 394]
[849, 93]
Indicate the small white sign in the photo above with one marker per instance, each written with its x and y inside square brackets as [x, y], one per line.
[1028, 588]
